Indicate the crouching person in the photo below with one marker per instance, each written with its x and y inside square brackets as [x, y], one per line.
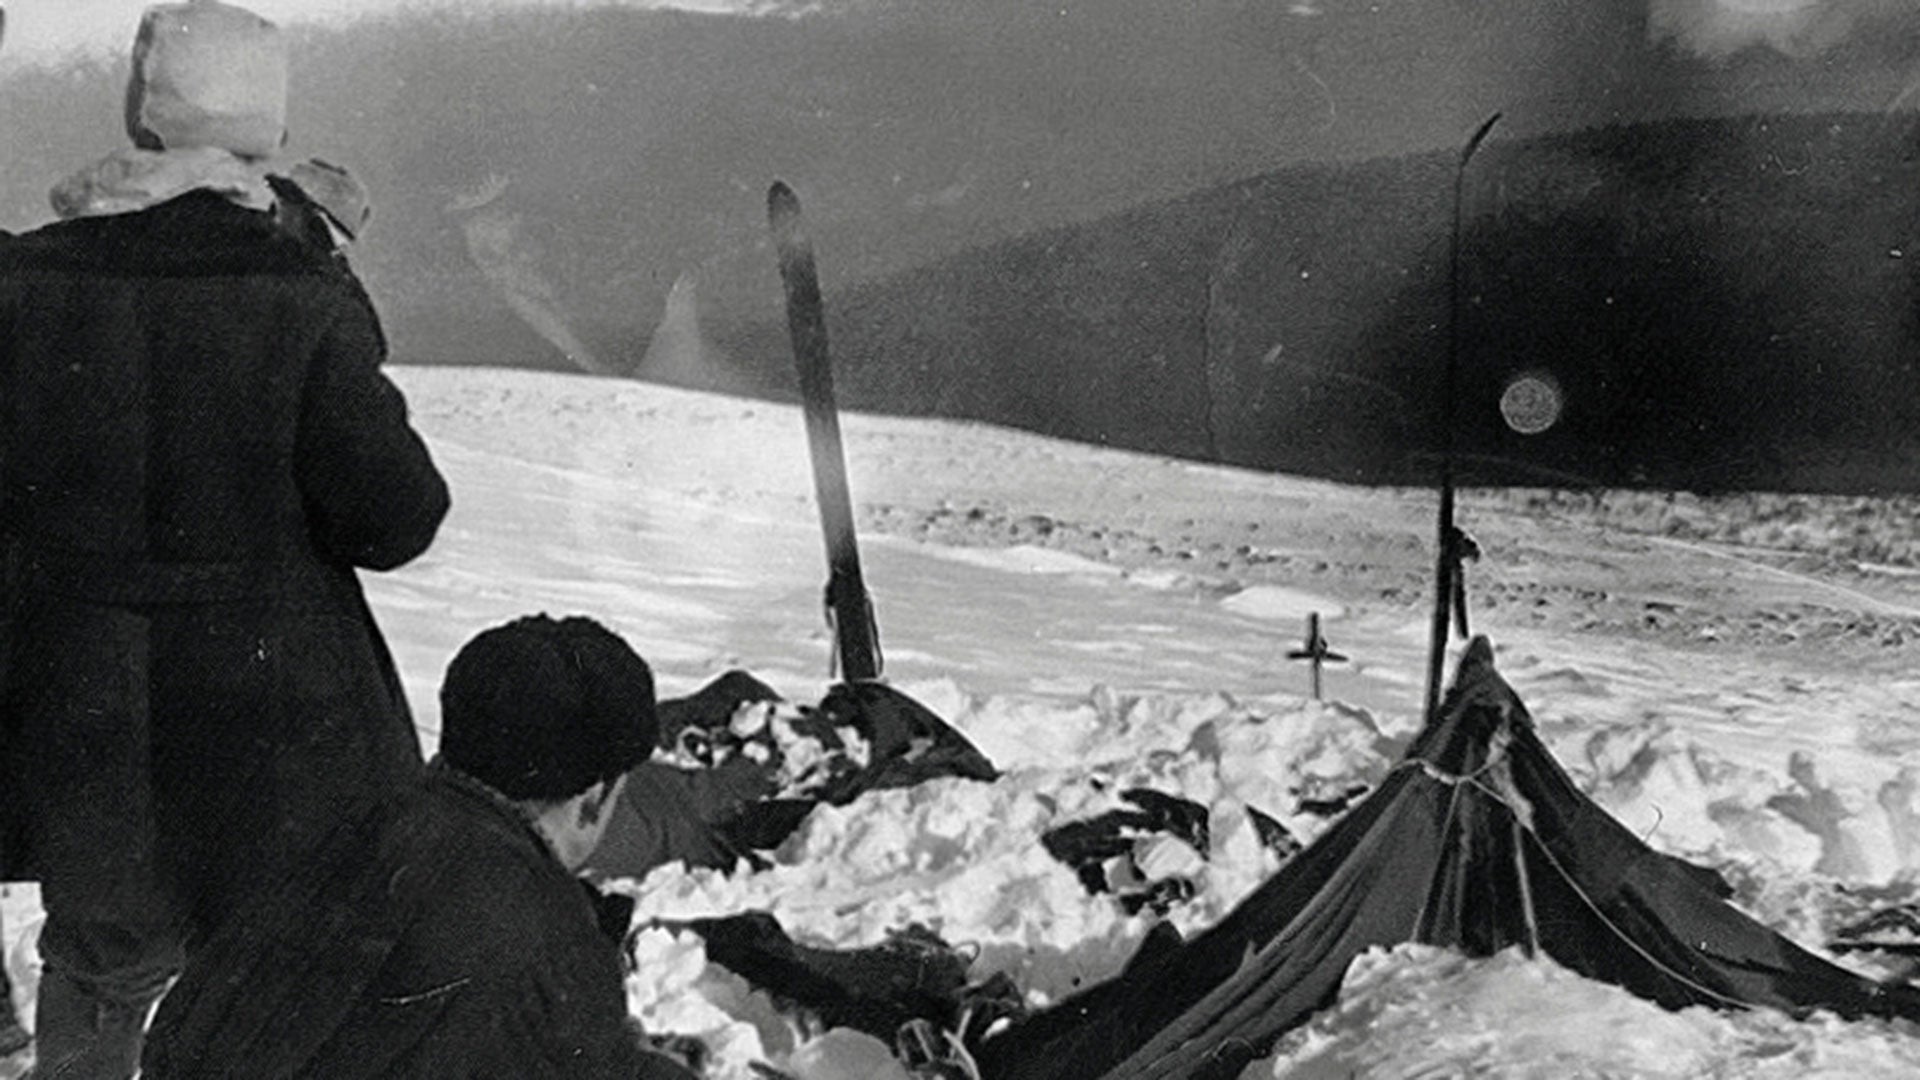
[446, 935]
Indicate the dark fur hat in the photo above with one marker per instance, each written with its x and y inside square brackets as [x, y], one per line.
[543, 708]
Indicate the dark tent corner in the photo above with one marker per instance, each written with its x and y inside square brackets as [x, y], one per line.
[1477, 841]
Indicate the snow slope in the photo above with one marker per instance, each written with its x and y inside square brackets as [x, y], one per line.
[1094, 619]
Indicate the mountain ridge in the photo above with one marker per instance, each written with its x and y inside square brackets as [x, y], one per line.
[1297, 320]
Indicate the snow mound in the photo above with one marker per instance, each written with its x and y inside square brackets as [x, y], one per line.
[846, 1055]
[1421, 1011]
[1275, 603]
[1688, 799]
[964, 859]
[1026, 559]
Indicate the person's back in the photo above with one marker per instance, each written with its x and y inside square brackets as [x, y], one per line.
[446, 935]
[197, 449]
[499, 947]
[200, 447]
[193, 391]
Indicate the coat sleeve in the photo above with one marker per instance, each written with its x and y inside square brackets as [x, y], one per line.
[373, 495]
[521, 982]
[512, 1016]
[276, 984]
[660, 1067]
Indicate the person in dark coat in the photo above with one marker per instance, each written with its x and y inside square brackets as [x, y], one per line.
[447, 936]
[197, 450]
[13, 1037]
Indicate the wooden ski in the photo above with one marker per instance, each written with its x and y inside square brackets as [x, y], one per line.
[849, 608]
[1449, 587]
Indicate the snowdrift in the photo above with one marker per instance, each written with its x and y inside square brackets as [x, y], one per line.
[1477, 841]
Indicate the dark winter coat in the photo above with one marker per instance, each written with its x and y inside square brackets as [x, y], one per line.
[441, 940]
[198, 449]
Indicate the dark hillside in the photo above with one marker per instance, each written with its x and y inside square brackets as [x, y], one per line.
[1726, 304]
[636, 146]
[1721, 304]
[1719, 301]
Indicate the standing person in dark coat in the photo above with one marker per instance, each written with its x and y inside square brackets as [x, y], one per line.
[197, 449]
[448, 936]
[13, 1037]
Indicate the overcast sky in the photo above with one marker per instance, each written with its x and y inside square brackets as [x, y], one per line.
[38, 29]
[41, 28]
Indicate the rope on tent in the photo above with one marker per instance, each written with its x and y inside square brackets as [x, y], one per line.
[1502, 791]
[1526, 889]
[1523, 824]
[1494, 780]
[1497, 746]
[1446, 823]
[1622, 934]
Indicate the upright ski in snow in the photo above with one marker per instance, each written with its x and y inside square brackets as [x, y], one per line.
[908, 742]
[856, 639]
[1449, 587]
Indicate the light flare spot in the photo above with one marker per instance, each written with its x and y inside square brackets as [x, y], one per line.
[1532, 402]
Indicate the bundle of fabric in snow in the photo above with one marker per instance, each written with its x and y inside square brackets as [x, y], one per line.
[1894, 930]
[909, 993]
[1147, 851]
[911, 975]
[1141, 852]
[739, 768]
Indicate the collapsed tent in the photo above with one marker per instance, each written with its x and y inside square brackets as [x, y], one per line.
[1477, 841]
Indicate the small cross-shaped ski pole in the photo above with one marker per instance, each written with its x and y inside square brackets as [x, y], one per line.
[1315, 650]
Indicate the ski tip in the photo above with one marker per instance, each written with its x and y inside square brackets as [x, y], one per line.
[1479, 135]
[781, 199]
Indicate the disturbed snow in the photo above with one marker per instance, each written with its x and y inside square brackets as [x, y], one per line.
[1094, 620]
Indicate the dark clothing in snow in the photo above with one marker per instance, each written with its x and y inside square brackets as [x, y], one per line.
[439, 939]
[731, 809]
[197, 448]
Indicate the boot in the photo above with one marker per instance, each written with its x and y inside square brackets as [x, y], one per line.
[13, 1037]
[80, 1037]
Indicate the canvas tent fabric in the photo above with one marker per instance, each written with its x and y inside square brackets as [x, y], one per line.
[1477, 841]
[876, 989]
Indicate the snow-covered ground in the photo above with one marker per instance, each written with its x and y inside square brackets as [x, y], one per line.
[1094, 619]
